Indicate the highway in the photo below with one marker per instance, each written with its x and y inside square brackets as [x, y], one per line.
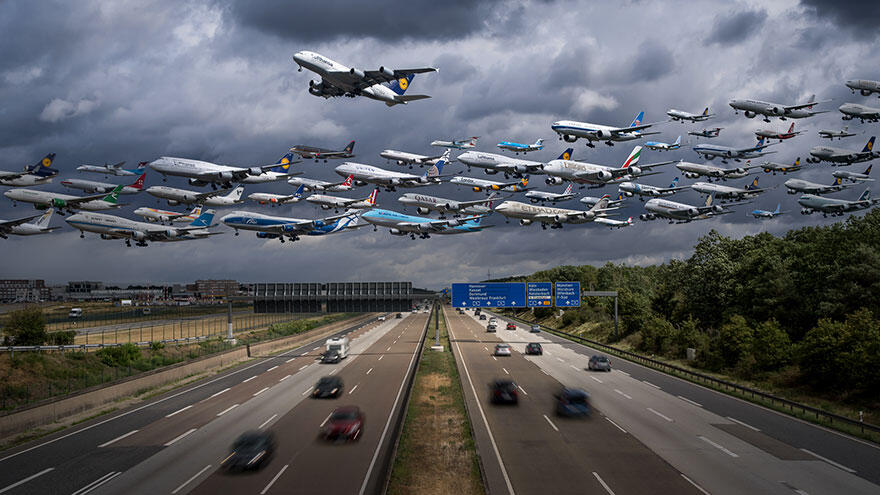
[175, 442]
[715, 442]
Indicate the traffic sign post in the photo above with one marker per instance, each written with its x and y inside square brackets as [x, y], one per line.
[490, 295]
[568, 294]
[539, 294]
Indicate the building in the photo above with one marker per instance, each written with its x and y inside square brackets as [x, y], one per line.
[216, 289]
[24, 291]
[82, 289]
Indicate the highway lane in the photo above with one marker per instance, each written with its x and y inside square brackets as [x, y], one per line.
[724, 444]
[530, 449]
[78, 456]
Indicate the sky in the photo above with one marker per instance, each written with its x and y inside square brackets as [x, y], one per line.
[99, 82]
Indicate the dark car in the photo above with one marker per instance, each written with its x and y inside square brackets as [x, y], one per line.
[511, 325]
[328, 386]
[330, 357]
[252, 450]
[504, 392]
[482, 316]
[477, 311]
[399, 315]
[344, 424]
[599, 363]
[534, 348]
[490, 327]
[572, 402]
[535, 328]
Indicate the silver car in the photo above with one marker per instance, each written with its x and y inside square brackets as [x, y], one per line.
[502, 350]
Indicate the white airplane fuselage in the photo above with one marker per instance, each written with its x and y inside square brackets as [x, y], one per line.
[90, 186]
[325, 68]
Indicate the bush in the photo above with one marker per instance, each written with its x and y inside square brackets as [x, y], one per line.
[843, 356]
[26, 327]
[61, 338]
[122, 355]
[771, 346]
[734, 341]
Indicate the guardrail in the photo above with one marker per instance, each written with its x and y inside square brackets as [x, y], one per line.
[793, 406]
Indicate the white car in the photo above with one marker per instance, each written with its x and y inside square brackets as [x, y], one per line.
[382, 318]
[502, 350]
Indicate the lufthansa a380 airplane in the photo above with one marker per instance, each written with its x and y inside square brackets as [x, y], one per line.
[386, 85]
[201, 173]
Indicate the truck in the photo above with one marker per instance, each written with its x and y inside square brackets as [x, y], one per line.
[339, 345]
[75, 313]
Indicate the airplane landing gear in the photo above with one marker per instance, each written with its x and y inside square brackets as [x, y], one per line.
[128, 243]
[236, 233]
[412, 236]
[82, 235]
[609, 143]
[590, 144]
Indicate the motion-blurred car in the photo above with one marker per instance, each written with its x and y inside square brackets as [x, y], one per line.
[251, 450]
[502, 350]
[345, 424]
[399, 315]
[599, 363]
[572, 402]
[511, 325]
[330, 357]
[504, 392]
[534, 348]
[535, 329]
[482, 316]
[328, 386]
[490, 327]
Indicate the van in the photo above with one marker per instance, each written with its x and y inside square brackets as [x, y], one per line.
[340, 345]
[75, 313]
[146, 311]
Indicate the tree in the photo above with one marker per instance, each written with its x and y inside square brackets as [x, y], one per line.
[26, 327]
[770, 346]
[734, 340]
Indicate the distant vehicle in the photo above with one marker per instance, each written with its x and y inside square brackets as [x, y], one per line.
[829, 134]
[306, 151]
[175, 196]
[113, 227]
[534, 348]
[482, 317]
[794, 186]
[328, 386]
[493, 320]
[751, 108]
[554, 217]
[425, 204]
[511, 325]
[93, 187]
[781, 136]
[381, 318]
[767, 213]
[572, 402]
[830, 206]
[477, 311]
[114, 169]
[727, 192]
[632, 188]
[326, 202]
[542, 196]
[710, 151]
[45, 199]
[782, 167]
[521, 147]
[345, 424]
[491, 327]
[661, 146]
[369, 174]
[862, 112]
[707, 133]
[406, 158]
[277, 199]
[681, 115]
[29, 225]
[504, 392]
[340, 345]
[683, 213]
[251, 450]
[399, 315]
[146, 311]
[400, 224]
[694, 170]
[201, 173]
[854, 176]
[75, 313]
[599, 363]
[483, 185]
[535, 329]
[863, 86]
[561, 170]
[330, 357]
[841, 155]
[570, 131]
[502, 350]
[321, 185]
[459, 144]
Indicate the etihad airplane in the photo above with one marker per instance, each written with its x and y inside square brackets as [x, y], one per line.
[839, 155]
[113, 227]
[561, 170]
[269, 227]
[277, 199]
[683, 213]
[681, 115]
[695, 170]
[707, 133]
[773, 167]
[306, 151]
[660, 146]
[570, 131]
[91, 186]
[165, 216]
[544, 196]
[459, 144]
[201, 173]
[425, 204]
[34, 175]
[326, 202]
[722, 192]
[548, 215]
[630, 189]
[710, 151]
[176, 196]
[115, 169]
[781, 136]
[46, 199]
[768, 213]
[320, 185]
[836, 134]
[812, 203]
[854, 176]
[405, 158]
[482, 185]
[520, 147]
[401, 224]
[862, 112]
[368, 174]
[751, 108]
[494, 163]
[385, 85]
[28, 225]
[794, 186]
[863, 86]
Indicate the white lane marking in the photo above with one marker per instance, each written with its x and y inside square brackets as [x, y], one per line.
[353, 389]
[495, 358]
[221, 413]
[333, 371]
[551, 423]
[615, 424]
[623, 394]
[303, 367]
[698, 487]
[191, 479]
[369, 371]
[21, 482]
[574, 367]
[829, 461]
[267, 421]
[98, 482]
[270, 369]
[505, 371]
[743, 424]
[717, 446]
[688, 400]
[325, 420]
[218, 393]
[522, 390]
[179, 437]
[793, 488]
[120, 437]
[294, 358]
[274, 479]
[249, 379]
[316, 348]
[560, 360]
[596, 379]
[380, 357]
[548, 353]
[486, 348]
[308, 390]
[261, 391]
[624, 372]
[178, 411]
[646, 382]
[389, 348]
[658, 413]
[285, 378]
[602, 482]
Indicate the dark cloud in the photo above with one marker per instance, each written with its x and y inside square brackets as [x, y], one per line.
[652, 61]
[860, 17]
[735, 27]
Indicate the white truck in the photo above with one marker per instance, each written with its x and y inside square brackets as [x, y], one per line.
[339, 345]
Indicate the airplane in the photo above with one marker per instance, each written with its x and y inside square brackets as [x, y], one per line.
[542, 196]
[839, 155]
[659, 146]
[306, 151]
[751, 108]
[612, 203]
[326, 202]
[165, 216]
[862, 112]
[836, 207]
[771, 134]
[425, 204]
[113, 227]
[201, 173]
[91, 186]
[34, 175]
[520, 147]
[570, 131]
[26, 225]
[614, 224]
[176, 196]
[683, 213]
[707, 133]
[794, 186]
[854, 176]
[693, 170]
[836, 134]
[767, 213]
[320, 185]
[277, 199]
[547, 215]
[632, 188]
[459, 144]
[404, 158]
[368, 174]
[386, 85]
[402, 224]
[45, 199]
[115, 169]
[781, 167]
[723, 192]
[681, 115]
[479, 185]
[494, 163]
[864, 86]
[561, 170]
[269, 227]
[710, 151]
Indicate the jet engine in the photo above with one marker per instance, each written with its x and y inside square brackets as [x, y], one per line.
[138, 235]
[691, 175]
[197, 182]
[553, 181]
[635, 170]
[491, 171]
[357, 72]
[386, 72]
[171, 233]
[865, 92]
[750, 114]
[604, 134]
[647, 216]
[604, 175]
[58, 203]
[173, 202]
[628, 194]
[521, 169]
[853, 157]
[525, 221]
[225, 176]
[568, 138]
[777, 111]
[397, 232]
[422, 210]
[107, 237]
[717, 208]
[693, 212]
[396, 182]
[255, 171]
[741, 170]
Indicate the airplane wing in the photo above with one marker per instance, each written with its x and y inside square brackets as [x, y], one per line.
[8, 224]
[86, 199]
[396, 74]
[209, 194]
[13, 175]
[805, 105]
[621, 130]
[372, 77]
[475, 202]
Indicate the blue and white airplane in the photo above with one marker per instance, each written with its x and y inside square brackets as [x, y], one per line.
[659, 146]
[401, 224]
[115, 169]
[768, 214]
[113, 227]
[269, 227]
[34, 175]
[570, 131]
[520, 147]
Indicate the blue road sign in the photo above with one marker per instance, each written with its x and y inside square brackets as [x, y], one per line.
[539, 294]
[568, 294]
[494, 295]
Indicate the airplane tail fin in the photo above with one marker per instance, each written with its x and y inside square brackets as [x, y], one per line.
[371, 199]
[710, 199]
[778, 208]
[753, 185]
[236, 193]
[203, 220]
[196, 211]
[437, 168]
[869, 145]
[868, 170]
[866, 195]
[401, 84]
[283, 163]
[760, 142]
[812, 98]
[349, 148]
[139, 183]
[43, 168]
[601, 204]
[791, 128]
[524, 182]
[44, 220]
[677, 141]
[539, 142]
[567, 189]
[299, 191]
[620, 197]
[838, 181]
[706, 112]
[674, 182]
[633, 157]
[638, 119]
[566, 155]
[142, 166]
[797, 161]
[348, 180]
[113, 197]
